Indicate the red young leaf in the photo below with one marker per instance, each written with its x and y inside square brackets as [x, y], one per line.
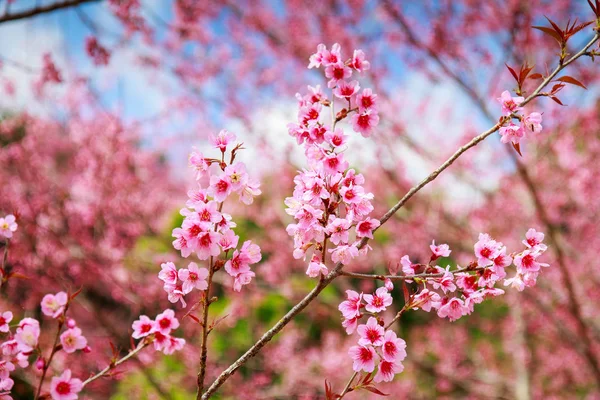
[18, 275]
[512, 71]
[517, 147]
[571, 80]
[373, 389]
[556, 27]
[536, 76]
[406, 294]
[556, 88]
[549, 32]
[556, 99]
[76, 293]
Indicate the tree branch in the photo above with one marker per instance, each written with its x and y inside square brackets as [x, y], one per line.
[45, 9]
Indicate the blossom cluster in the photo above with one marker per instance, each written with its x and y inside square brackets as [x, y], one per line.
[530, 123]
[206, 230]
[24, 343]
[454, 294]
[158, 331]
[375, 344]
[329, 200]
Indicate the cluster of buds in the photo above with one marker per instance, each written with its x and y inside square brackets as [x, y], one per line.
[206, 229]
[329, 201]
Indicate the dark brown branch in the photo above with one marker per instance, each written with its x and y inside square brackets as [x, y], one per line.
[45, 9]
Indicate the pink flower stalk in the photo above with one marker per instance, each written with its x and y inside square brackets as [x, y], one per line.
[8, 226]
[222, 139]
[345, 90]
[168, 273]
[366, 227]
[64, 387]
[193, 277]
[441, 250]
[510, 104]
[5, 319]
[379, 301]
[143, 327]
[364, 358]
[387, 370]
[365, 122]
[72, 340]
[350, 308]
[371, 333]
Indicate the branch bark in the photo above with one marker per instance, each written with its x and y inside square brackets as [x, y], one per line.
[44, 9]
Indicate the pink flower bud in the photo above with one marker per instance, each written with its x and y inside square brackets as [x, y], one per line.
[71, 323]
[39, 364]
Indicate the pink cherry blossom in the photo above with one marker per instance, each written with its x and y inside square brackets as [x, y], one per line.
[486, 250]
[365, 227]
[350, 325]
[359, 61]
[199, 163]
[72, 340]
[193, 277]
[166, 322]
[441, 250]
[175, 293]
[5, 319]
[446, 282]
[350, 308]
[511, 133]
[532, 123]
[379, 301]
[365, 122]
[337, 72]
[338, 230]
[364, 358]
[143, 327]
[168, 273]
[371, 333]
[426, 300]
[526, 261]
[316, 267]
[453, 308]
[237, 175]
[220, 187]
[64, 387]
[345, 90]
[366, 100]
[534, 239]
[6, 367]
[241, 279]
[344, 254]
[8, 226]
[222, 140]
[27, 334]
[510, 104]
[208, 245]
[387, 370]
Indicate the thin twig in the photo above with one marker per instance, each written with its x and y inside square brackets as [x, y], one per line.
[45, 9]
[143, 344]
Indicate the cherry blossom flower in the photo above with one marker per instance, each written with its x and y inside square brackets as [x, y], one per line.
[72, 340]
[365, 122]
[379, 301]
[222, 139]
[166, 322]
[220, 187]
[5, 319]
[193, 277]
[64, 387]
[237, 175]
[168, 273]
[441, 250]
[387, 370]
[364, 358]
[359, 62]
[534, 239]
[350, 325]
[208, 212]
[532, 123]
[316, 267]
[241, 279]
[366, 100]
[511, 133]
[453, 308]
[344, 254]
[175, 293]
[338, 230]
[371, 333]
[8, 226]
[208, 245]
[336, 73]
[27, 334]
[510, 104]
[365, 227]
[486, 250]
[345, 90]
[446, 282]
[426, 300]
[143, 327]
[527, 261]
[199, 163]
[408, 268]
[350, 308]
[6, 367]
